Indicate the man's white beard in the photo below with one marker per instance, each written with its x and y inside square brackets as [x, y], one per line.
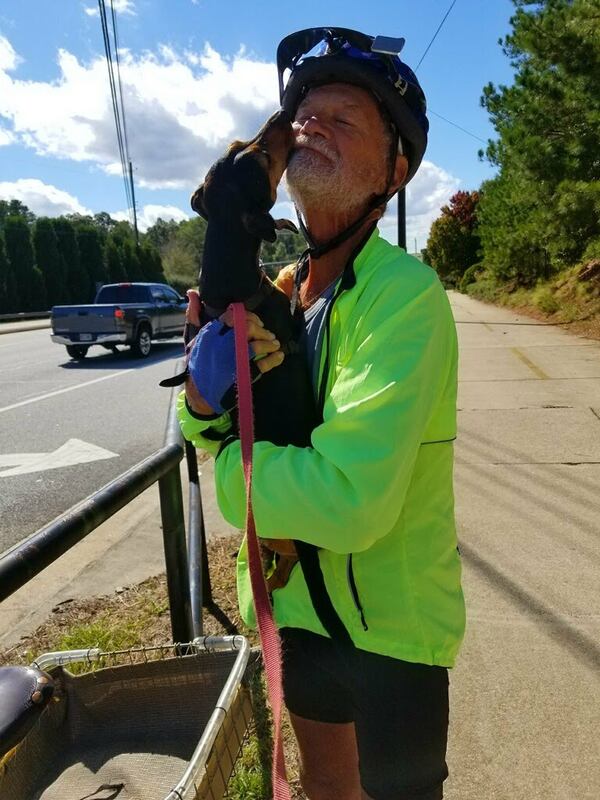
[316, 183]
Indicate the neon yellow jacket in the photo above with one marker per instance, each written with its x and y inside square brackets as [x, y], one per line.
[375, 489]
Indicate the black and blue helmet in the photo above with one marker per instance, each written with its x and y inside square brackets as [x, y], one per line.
[318, 56]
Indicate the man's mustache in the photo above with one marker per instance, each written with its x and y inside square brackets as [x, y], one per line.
[310, 143]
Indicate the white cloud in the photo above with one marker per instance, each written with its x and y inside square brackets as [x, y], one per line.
[181, 110]
[8, 58]
[6, 137]
[120, 6]
[428, 191]
[150, 213]
[41, 198]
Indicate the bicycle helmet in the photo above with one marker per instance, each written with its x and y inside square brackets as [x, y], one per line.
[318, 56]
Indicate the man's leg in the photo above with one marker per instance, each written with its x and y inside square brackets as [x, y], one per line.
[328, 759]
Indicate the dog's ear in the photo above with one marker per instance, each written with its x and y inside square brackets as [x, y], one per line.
[260, 224]
[197, 202]
[285, 225]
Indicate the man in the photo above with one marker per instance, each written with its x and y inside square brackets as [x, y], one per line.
[374, 491]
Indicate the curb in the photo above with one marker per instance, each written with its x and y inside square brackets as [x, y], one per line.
[9, 328]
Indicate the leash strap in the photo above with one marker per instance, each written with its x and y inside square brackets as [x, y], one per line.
[271, 645]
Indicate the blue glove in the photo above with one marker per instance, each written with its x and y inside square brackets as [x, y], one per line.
[211, 363]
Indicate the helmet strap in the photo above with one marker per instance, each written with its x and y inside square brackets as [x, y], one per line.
[315, 251]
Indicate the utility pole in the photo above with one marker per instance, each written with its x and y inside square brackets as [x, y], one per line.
[402, 218]
[135, 225]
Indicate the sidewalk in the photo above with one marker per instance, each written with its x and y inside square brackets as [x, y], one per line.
[525, 714]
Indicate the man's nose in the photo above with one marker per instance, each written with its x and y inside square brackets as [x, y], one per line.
[311, 126]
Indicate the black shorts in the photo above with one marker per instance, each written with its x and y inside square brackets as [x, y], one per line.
[399, 709]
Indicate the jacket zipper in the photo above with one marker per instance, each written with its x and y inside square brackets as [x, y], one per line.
[354, 592]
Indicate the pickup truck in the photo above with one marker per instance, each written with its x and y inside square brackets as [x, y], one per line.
[123, 313]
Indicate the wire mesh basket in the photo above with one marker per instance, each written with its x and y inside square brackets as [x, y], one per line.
[159, 723]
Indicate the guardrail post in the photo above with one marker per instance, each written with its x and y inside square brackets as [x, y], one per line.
[200, 587]
[173, 524]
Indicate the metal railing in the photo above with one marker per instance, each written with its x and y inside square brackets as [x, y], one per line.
[188, 579]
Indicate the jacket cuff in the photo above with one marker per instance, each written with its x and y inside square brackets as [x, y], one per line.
[195, 414]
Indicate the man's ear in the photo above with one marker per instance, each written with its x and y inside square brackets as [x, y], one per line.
[285, 225]
[197, 202]
[261, 225]
[399, 174]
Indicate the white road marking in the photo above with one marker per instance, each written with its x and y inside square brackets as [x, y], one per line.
[74, 451]
[66, 389]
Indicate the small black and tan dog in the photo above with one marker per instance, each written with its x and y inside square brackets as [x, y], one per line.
[235, 199]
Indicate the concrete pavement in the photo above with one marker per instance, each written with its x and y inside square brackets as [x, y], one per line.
[525, 711]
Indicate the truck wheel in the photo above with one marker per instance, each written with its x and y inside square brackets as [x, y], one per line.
[77, 351]
[143, 342]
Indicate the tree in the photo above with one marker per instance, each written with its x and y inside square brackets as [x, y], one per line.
[14, 208]
[453, 244]
[19, 250]
[9, 300]
[49, 262]
[161, 233]
[77, 279]
[91, 251]
[543, 206]
[150, 263]
[115, 269]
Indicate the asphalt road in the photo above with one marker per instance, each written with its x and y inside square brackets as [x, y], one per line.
[109, 402]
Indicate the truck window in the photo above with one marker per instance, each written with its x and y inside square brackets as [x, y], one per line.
[171, 296]
[125, 293]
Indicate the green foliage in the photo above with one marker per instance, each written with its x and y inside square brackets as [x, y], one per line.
[115, 269]
[91, 251]
[77, 279]
[19, 250]
[150, 263]
[48, 261]
[543, 208]
[469, 277]
[9, 300]
[182, 253]
[14, 208]
[453, 243]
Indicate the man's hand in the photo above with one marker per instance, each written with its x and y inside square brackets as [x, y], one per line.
[263, 343]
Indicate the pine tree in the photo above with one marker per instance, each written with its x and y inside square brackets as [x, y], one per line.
[115, 269]
[9, 301]
[17, 239]
[77, 280]
[543, 209]
[91, 251]
[48, 260]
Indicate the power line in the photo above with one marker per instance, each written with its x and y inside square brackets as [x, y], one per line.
[464, 130]
[113, 94]
[118, 107]
[433, 38]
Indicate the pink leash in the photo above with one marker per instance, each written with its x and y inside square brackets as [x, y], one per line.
[271, 646]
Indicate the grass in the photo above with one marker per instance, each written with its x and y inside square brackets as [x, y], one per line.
[572, 297]
[139, 615]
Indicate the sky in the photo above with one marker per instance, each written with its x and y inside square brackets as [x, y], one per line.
[199, 73]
